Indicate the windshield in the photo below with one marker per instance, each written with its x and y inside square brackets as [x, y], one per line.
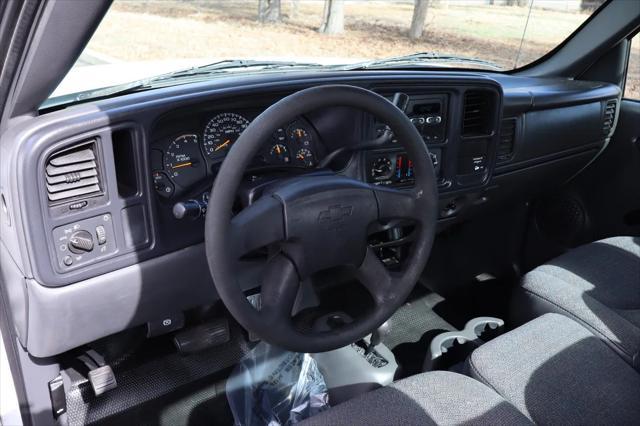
[141, 39]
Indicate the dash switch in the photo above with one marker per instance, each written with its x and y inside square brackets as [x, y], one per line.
[80, 242]
[101, 235]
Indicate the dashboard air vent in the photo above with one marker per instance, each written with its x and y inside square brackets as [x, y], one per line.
[507, 139]
[609, 116]
[73, 173]
[477, 113]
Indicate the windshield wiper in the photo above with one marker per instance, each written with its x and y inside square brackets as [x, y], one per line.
[231, 64]
[420, 58]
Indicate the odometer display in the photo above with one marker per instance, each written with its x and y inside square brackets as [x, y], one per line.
[221, 133]
[183, 161]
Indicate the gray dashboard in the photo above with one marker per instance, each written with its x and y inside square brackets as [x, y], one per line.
[532, 133]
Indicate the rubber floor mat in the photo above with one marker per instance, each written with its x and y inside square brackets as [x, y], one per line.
[414, 319]
[143, 383]
[413, 326]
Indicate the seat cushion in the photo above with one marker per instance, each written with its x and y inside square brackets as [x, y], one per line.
[557, 372]
[441, 398]
[597, 284]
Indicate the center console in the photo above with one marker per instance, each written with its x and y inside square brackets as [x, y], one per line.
[459, 127]
[392, 166]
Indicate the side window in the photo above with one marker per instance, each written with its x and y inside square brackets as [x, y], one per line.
[632, 86]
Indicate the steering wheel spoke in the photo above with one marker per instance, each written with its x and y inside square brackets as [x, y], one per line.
[279, 290]
[397, 204]
[260, 224]
[375, 277]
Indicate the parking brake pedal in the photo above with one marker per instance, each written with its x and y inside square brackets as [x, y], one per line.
[203, 336]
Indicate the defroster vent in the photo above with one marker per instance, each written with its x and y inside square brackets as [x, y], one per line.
[609, 116]
[507, 139]
[73, 174]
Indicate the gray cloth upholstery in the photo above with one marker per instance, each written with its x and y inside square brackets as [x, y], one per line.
[597, 284]
[440, 397]
[557, 372]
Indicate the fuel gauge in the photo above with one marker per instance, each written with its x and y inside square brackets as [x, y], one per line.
[305, 157]
[280, 154]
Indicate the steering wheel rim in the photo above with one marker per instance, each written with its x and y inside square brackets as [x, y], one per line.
[312, 214]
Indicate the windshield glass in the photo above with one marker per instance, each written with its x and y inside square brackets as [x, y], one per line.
[140, 39]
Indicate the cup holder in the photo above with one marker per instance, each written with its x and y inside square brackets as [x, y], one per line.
[452, 347]
[486, 328]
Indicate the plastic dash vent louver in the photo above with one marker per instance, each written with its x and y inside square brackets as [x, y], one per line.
[73, 174]
[477, 113]
[609, 116]
[507, 139]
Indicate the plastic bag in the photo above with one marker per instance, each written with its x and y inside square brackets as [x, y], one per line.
[271, 386]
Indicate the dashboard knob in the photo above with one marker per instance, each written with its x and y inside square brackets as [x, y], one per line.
[434, 159]
[381, 168]
[81, 242]
[191, 209]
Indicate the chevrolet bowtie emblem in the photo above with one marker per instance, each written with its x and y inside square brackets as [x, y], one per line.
[334, 216]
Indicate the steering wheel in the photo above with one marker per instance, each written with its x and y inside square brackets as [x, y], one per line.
[317, 222]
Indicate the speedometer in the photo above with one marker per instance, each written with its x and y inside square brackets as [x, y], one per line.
[221, 132]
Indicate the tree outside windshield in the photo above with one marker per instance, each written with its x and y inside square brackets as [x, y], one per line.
[142, 38]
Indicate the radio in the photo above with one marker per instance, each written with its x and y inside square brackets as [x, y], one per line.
[428, 114]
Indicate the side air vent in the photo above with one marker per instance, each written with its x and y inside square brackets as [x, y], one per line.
[507, 139]
[609, 116]
[477, 114]
[73, 174]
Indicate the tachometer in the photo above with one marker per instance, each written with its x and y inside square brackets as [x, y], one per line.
[183, 161]
[221, 132]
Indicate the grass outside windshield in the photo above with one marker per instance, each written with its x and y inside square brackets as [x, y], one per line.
[170, 35]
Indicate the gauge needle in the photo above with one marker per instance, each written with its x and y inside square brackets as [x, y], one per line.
[222, 145]
[177, 166]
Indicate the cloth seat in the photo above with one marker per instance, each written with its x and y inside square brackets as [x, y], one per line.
[438, 397]
[556, 372]
[598, 285]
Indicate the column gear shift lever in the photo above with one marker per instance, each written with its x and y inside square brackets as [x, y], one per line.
[377, 336]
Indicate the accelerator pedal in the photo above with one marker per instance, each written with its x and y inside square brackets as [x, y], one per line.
[203, 336]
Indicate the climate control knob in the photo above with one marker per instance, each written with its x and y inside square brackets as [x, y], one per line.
[81, 242]
[381, 168]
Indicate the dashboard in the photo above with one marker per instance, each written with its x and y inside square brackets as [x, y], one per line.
[191, 149]
[108, 202]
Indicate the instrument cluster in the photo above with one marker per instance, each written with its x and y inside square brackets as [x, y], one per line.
[184, 159]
